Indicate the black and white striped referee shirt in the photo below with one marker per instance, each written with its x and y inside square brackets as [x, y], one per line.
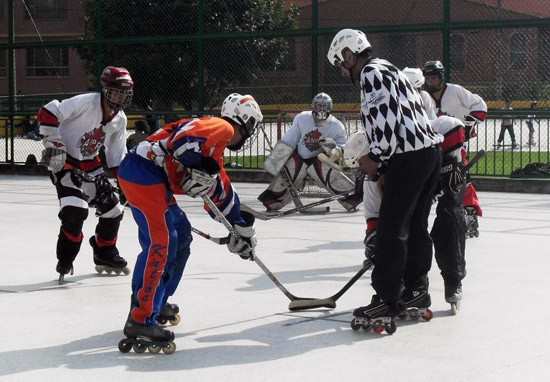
[392, 112]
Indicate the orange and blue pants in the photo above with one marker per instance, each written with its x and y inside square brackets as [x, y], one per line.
[164, 236]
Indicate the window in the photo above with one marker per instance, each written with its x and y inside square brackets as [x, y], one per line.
[457, 52]
[518, 51]
[47, 9]
[3, 62]
[48, 62]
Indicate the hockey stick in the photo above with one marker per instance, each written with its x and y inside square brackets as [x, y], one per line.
[220, 217]
[279, 214]
[480, 154]
[217, 240]
[330, 301]
[294, 194]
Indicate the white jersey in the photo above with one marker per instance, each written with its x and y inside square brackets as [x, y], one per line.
[305, 134]
[458, 102]
[76, 125]
[429, 105]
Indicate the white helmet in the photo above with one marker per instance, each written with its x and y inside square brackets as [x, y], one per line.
[243, 110]
[415, 76]
[356, 147]
[353, 39]
[321, 106]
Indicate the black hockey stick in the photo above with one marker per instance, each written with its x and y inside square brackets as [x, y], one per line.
[480, 154]
[220, 217]
[278, 214]
[330, 302]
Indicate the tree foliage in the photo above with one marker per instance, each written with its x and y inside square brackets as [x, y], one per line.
[168, 73]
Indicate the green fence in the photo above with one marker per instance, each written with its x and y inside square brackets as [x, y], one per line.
[186, 56]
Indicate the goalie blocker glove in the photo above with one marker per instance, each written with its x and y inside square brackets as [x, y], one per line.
[245, 243]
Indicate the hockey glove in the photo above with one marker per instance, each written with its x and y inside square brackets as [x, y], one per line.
[198, 183]
[54, 158]
[245, 243]
[457, 177]
[327, 144]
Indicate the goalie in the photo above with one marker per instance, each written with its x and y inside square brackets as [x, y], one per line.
[296, 156]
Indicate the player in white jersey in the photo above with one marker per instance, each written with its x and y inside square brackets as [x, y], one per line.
[296, 156]
[458, 102]
[74, 131]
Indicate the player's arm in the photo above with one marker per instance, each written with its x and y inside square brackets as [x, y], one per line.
[382, 114]
[474, 103]
[115, 148]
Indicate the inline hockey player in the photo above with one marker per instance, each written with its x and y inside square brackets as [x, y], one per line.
[74, 131]
[312, 133]
[185, 157]
[399, 135]
[456, 101]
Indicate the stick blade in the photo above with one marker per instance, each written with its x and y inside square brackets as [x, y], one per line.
[316, 211]
[305, 304]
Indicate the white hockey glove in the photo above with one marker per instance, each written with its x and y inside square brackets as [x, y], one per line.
[54, 158]
[327, 144]
[244, 245]
[198, 183]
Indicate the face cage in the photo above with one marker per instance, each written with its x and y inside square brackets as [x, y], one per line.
[246, 130]
[118, 98]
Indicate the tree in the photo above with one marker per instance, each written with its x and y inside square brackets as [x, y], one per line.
[168, 74]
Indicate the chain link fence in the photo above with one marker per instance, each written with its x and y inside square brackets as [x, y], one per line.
[186, 56]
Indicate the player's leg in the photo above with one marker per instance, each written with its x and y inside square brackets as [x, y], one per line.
[73, 212]
[371, 201]
[335, 182]
[277, 195]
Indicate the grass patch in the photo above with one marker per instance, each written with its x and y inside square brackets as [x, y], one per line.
[502, 163]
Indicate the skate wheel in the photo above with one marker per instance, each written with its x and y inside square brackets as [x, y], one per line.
[169, 348]
[390, 328]
[155, 349]
[140, 348]
[366, 326]
[176, 320]
[124, 346]
[126, 271]
[108, 271]
[378, 329]
[162, 321]
[98, 269]
[428, 315]
[118, 272]
[355, 325]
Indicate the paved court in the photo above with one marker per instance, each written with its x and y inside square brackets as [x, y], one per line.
[236, 325]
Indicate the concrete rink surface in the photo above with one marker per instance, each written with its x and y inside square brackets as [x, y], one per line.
[236, 325]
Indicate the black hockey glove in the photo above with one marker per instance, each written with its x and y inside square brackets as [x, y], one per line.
[457, 177]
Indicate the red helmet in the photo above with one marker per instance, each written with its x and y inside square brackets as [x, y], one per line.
[117, 86]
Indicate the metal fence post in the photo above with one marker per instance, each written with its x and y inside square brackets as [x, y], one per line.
[200, 53]
[447, 38]
[314, 47]
[11, 80]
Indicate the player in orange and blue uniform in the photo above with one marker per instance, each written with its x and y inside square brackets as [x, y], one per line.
[184, 157]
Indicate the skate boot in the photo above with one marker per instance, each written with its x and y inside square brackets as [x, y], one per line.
[417, 305]
[377, 316]
[453, 295]
[108, 260]
[169, 312]
[63, 269]
[472, 224]
[141, 337]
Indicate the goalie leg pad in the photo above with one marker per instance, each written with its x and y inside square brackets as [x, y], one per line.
[278, 157]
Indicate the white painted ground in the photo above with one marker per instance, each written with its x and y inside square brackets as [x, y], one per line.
[236, 326]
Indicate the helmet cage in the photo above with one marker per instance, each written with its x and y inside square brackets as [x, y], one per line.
[118, 98]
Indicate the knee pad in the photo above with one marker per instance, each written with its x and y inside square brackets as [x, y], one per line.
[72, 219]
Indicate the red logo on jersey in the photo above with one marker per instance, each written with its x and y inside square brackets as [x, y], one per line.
[91, 142]
[311, 140]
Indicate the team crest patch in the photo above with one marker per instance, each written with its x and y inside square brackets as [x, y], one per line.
[91, 142]
[311, 140]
